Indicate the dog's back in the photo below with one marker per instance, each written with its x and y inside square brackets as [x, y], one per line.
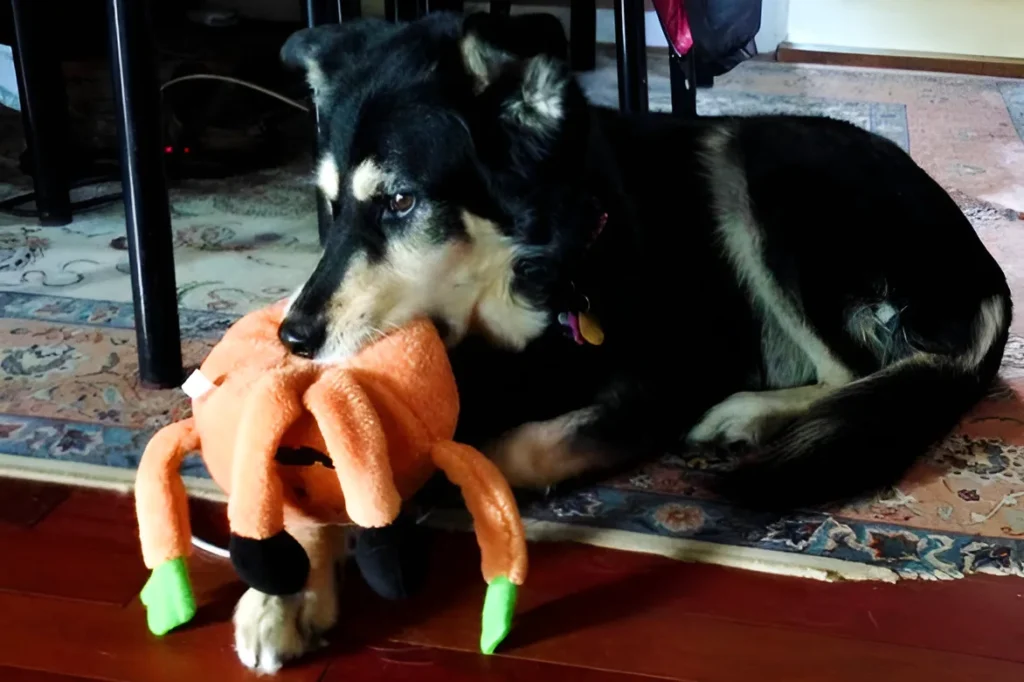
[783, 281]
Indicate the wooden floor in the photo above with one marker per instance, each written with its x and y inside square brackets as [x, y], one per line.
[70, 572]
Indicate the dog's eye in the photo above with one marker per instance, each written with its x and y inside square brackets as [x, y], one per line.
[401, 204]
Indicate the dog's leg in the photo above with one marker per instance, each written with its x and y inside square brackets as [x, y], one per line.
[271, 629]
[753, 417]
[627, 424]
[541, 454]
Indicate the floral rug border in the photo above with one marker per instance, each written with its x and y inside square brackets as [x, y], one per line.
[908, 551]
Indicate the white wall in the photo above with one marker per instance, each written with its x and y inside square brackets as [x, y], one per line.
[774, 25]
[992, 28]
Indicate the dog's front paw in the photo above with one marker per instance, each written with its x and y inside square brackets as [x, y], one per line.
[270, 630]
[742, 419]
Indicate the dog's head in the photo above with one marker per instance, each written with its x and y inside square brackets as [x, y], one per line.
[441, 143]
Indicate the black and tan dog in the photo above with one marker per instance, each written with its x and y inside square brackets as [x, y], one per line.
[610, 284]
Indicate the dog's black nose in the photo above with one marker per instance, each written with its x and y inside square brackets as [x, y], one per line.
[302, 334]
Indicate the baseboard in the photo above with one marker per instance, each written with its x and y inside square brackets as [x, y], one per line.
[1000, 67]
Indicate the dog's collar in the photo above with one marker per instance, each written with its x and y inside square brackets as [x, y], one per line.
[577, 319]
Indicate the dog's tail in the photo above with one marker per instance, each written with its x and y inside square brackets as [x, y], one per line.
[865, 436]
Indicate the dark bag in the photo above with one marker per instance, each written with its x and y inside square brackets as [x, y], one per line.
[723, 30]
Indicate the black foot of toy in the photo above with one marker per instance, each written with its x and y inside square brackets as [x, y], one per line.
[276, 565]
[393, 559]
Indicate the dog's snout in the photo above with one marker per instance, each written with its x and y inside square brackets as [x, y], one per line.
[302, 334]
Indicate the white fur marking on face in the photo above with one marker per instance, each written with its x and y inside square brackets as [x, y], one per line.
[498, 310]
[327, 177]
[367, 180]
[350, 313]
[465, 282]
[741, 239]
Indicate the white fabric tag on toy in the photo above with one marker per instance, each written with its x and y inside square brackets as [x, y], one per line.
[196, 385]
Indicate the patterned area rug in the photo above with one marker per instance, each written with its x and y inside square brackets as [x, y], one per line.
[71, 409]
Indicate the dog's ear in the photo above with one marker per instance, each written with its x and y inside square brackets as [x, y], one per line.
[522, 60]
[483, 60]
[322, 51]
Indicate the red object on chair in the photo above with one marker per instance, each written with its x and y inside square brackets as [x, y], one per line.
[676, 24]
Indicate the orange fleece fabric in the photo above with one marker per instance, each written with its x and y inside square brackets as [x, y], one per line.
[385, 418]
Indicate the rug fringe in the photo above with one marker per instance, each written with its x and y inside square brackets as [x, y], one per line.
[680, 549]
[94, 476]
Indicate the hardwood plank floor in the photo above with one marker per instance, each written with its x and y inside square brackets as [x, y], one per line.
[24, 503]
[23, 675]
[646, 622]
[406, 662]
[85, 547]
[69, 612]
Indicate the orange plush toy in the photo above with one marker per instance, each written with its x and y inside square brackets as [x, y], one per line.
[379, 424]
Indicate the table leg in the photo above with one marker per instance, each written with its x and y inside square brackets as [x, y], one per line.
[144, 186]
[44, 110]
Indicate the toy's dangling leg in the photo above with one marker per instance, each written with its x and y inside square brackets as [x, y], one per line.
[393, 559]
[263, 552]
[161, 504]
[357, 447]
[499, 531]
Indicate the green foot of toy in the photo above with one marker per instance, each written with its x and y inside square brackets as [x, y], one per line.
[168, 597]
[499, 606]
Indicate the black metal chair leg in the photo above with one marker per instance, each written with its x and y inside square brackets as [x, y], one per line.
[631, 54]
[144, 186]
[683, 78]
[583, 35]
[44, 110]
